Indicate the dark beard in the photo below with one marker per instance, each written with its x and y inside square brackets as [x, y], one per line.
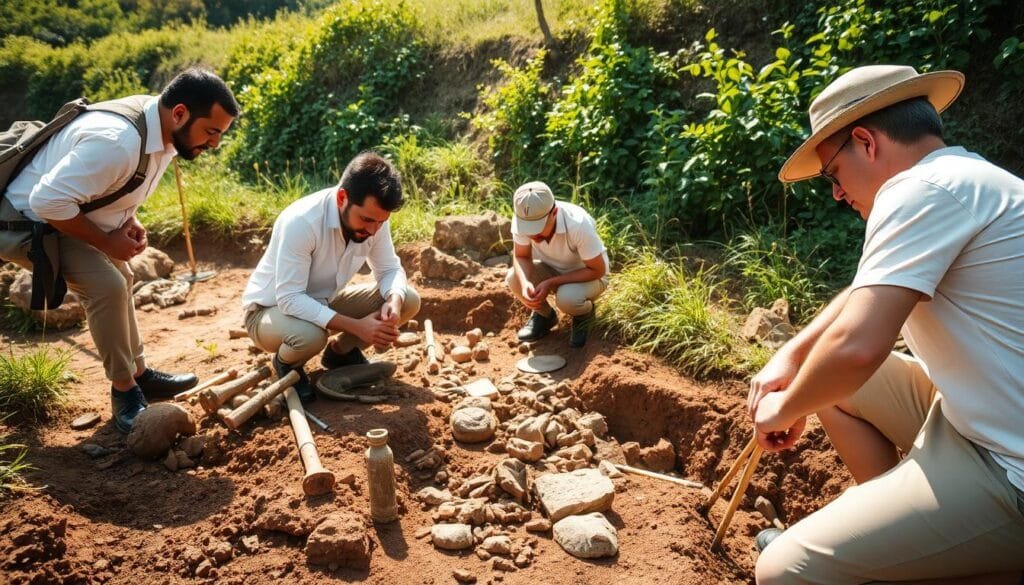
[350, 234]
[178, 139]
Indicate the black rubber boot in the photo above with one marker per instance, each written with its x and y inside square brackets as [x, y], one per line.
[303, 388]
[126, 406]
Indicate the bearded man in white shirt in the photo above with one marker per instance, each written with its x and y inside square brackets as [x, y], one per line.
[297, 296]
[93, 158]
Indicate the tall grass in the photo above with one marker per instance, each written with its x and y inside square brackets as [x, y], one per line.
[770, 269]
[472, 21]
[33, 385]
[662, 308]
[12, 466]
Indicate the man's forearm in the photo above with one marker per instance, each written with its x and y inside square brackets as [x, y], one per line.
[340, 323]
[584, 274]
[800, 346]
[82, 228]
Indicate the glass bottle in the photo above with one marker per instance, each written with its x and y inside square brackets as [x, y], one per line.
[380, 474]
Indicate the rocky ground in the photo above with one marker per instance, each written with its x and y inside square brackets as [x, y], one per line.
[490, 510]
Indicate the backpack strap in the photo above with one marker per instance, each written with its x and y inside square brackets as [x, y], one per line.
[131, 108]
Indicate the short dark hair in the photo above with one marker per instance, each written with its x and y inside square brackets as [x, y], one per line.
[904, 122]
[199, 89]
[371, 174]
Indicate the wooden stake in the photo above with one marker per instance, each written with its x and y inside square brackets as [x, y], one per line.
[243, 413]
[743, 456]
[219, 378]
[317, 481]
[184, 218]
[737, 496]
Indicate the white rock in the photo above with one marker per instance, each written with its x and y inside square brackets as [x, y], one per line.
[576, 492]
[593, 421]
[452, 536]
[473, 425]
[587, 537]
[497, 545]
[528, 451]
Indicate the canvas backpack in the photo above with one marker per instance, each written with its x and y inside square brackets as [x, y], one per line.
[18, 145]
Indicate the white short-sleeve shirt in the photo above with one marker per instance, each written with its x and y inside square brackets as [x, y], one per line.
[575, 240]
[952, 228]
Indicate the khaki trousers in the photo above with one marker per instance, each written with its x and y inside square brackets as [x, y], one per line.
[946, 510]
[575, 298]
[104, 286]
[296, 340]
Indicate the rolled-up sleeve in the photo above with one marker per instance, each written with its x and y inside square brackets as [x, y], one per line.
[97, 163]
[385, 264]
[294, 257]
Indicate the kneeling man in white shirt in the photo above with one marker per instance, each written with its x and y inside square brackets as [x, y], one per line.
[297, 296]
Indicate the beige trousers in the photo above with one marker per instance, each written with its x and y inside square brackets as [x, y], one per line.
[575, 298]
[296, 340]
[104, 286]
[946, 510]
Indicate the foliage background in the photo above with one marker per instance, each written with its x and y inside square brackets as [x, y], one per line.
[669, 119]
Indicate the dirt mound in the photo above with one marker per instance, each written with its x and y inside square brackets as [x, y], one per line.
[240, 515]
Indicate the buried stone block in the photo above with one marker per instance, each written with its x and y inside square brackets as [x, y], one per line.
[576, 492]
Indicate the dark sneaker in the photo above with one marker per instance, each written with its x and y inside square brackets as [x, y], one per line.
[125, 406]
[580, 328]
[332, 359]
[156, 384]
[765, 537]
[303, 388]
[538, 326]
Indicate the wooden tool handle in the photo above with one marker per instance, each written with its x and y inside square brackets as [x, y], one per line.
[737, 496]
[317, 481]
[677, 480]
[736, 466]
[219, 378]
[243, 413]
[212, 398]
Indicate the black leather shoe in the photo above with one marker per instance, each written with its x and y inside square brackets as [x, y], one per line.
[126, 406]
[303, 388]
[765, 537]
[580, 329]
[538, 326]
[156, 384]
[332, 359]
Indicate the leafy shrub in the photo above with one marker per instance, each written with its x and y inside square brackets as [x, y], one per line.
[334, 96]
[60, 23]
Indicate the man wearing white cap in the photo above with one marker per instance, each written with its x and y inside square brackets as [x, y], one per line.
[557, 251]
[935, 441]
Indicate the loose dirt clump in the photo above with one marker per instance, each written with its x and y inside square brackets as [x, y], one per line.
[239, 516]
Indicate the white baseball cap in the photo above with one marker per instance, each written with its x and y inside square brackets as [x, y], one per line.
[531, 203]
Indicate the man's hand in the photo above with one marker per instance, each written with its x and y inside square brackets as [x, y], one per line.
[774, 432]
[374, 330]
[391, 310]
[138, 233]
[776, 375]
[119, 245]
[530, 297]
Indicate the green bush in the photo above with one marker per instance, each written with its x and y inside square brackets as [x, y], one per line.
[335, 95]
[60, 23]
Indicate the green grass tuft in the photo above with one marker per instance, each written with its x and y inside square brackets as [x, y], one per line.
[12, 466]
[660, 307]
[33, 385]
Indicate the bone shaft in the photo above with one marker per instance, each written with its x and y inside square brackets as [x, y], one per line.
[247, 410]
[219, 378]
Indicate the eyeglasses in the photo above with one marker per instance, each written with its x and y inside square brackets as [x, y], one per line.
[827, 175]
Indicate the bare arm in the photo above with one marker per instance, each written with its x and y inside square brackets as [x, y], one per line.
[118, 244]
[846, 354]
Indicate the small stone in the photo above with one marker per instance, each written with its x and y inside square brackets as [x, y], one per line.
[463, 576]
[481, 352]
[538, 525]
[93, 450]
[461, 354]
[473, 336]
[452, 536]
[85, 421]
[524, 348]
[407, 338]
[412, 325]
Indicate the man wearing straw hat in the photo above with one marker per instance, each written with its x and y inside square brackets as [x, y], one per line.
[85, 184]
[936, 441]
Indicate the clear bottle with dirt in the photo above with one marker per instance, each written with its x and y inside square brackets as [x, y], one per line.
[380, 474]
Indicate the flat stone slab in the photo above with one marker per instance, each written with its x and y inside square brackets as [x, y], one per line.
[540, 364]
[576, 492]
[587, 537]
[85, 421]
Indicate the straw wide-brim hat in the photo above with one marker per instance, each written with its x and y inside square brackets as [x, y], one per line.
[860, 92]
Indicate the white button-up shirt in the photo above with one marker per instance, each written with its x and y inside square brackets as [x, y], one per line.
[90, 158]
[308, 261]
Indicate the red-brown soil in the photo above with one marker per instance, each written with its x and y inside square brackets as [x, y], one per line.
[119, 519]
